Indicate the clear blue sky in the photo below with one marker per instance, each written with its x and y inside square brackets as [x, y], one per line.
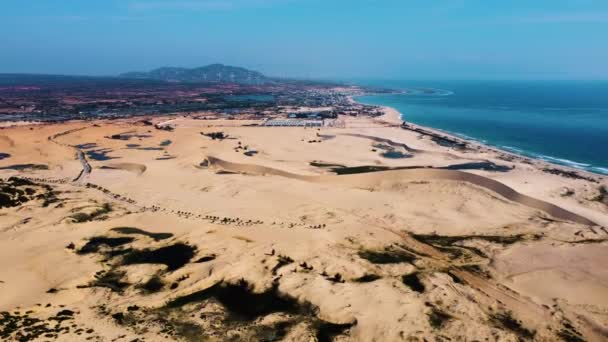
[399, 39]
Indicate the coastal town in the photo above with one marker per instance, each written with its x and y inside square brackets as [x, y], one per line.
[73, 98]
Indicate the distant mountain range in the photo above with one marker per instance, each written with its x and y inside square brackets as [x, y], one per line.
[218, 73]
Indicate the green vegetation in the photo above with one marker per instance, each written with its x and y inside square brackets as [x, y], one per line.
[94, 243]
[174, 256]
[570, 336]
[505, 320]
[17, 191]
[23, 167]
[452, 246]
[244, 308]
[133, 230]
[367, 278]
[241, 301]
[205, 258]
[602, 195]
[16, 326]
[390, 255]
[154, 284]
[111, 279]
[477, 269]
[98, 214]
[455, 278]
[283, 261]
[569, 333]
[438, 318]
[413, 282]
[215, 72]
[443, 240]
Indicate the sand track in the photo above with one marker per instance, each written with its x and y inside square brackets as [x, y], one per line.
[86, 167]
[369, 180]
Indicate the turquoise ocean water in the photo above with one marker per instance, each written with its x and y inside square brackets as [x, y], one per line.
[564, 122]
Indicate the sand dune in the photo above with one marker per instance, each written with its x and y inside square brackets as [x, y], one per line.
[538, 271]
[172, 251]
[367, 180]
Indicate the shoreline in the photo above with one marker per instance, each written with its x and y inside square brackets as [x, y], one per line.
[393, 116]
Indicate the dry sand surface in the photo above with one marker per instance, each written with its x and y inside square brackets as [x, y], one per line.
[112, 231]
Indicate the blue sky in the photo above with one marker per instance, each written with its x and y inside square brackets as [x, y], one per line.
[393, 39]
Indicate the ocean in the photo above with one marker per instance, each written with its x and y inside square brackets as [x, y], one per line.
[563, 122]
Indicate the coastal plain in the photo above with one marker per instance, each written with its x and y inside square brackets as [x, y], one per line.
[366, 230]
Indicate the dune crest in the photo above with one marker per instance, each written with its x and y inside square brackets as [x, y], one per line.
[376, 178]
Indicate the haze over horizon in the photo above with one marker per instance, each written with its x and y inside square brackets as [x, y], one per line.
[466, 39]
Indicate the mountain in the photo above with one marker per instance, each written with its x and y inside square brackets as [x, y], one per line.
[210, 73]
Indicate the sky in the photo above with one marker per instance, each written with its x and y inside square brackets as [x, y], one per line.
[322, 39]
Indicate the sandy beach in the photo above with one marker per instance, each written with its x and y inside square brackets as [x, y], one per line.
[362, 231]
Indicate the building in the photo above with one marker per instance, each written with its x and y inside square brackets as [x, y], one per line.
[294, 123]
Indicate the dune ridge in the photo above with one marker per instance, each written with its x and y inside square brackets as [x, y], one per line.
[376, 178]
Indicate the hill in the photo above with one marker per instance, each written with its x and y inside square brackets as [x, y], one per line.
[211, 73]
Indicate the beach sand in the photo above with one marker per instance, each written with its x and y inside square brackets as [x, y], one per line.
[225, 243]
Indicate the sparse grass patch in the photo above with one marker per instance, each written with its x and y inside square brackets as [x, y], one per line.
[505, 320]
[326, 331]
[205, 258]
[17, 326]
[438, 318]
[17, 191]
[173, 256]
[98, 214]
[477, 270]
[94, 243]
[133, 230]
[568, 333]
[569, 336]
[233, 311]
[367, 278]
[111, 279]
[455, 278]
[389, 255]
[154, 284]
[443, 240]
[413, 282]
[602, 195]
[451, 244]
[283, 261]
[244, 307]
[242, 238]
[241, 301]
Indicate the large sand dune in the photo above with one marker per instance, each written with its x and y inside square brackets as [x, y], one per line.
[370, 180]
[268, 246]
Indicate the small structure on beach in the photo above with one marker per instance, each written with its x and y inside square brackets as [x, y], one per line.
[294, 123]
